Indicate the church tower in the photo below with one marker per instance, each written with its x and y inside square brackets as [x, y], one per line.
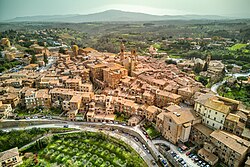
[133, 61]
[122, 50]
[208, 59]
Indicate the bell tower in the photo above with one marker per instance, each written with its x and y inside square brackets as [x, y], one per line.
[122, 50]
[133, 54]
[208, 59]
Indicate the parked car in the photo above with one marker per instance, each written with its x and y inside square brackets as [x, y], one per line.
[65, 126]
[183, 162]
[179, 149]
[164, 162]
[196, 159]
[173, 153]
[188, 153]
[177, 157]
[136, 139]
[153, 162]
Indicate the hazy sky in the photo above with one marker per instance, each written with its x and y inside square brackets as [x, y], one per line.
[14, 8]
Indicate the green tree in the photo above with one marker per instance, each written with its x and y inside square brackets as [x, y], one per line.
[241, 79]
[2, 69]
[33, 59]
[45, 58]
[170, 61]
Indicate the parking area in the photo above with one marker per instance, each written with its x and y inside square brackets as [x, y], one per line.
[187, 158]
[179, 157]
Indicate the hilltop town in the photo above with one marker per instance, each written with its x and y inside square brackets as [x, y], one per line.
[164, 99]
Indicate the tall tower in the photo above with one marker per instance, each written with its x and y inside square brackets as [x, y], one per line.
[134, 54]
[208, 59]
[122, 50]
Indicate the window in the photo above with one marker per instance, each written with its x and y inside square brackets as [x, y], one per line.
[214, 118]
[170, 120]
[215, 112]
[168, 127]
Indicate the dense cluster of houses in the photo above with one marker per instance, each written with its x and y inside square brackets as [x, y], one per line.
[94, 86]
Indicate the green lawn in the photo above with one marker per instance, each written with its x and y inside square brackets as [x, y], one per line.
[121, 117]
[152, 132]
[27, 112]
[237, 46]
[157, 45]
[87, 149]
[175, 56]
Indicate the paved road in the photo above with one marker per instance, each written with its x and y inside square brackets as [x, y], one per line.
[126, 138]
[47, 135]
[218, 84]
[175, 149]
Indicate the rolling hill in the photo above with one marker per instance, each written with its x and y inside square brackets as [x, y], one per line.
[112, 15]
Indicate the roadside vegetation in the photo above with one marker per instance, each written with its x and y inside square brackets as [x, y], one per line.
[121, 117]
[151, 130]
[19, 138]
[22, 111]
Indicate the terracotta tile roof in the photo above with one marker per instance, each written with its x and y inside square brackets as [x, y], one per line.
[168, 94]
[9, 153]
[203, 129]
[181, 116]
[233, 117]
[153, 109]
[208, 156]
[232, 141]
[217, 105]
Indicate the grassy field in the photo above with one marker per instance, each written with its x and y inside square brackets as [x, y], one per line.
[87, 149]
[121, 117]
[237, 47]
[157, 45]
[176, 56]
[152, 132]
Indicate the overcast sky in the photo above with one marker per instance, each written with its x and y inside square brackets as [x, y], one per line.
[17, 8]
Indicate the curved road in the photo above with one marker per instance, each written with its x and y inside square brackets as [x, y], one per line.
[127, 138]
[218, 84]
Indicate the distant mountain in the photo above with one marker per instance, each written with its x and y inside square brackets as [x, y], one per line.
[113, 15]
